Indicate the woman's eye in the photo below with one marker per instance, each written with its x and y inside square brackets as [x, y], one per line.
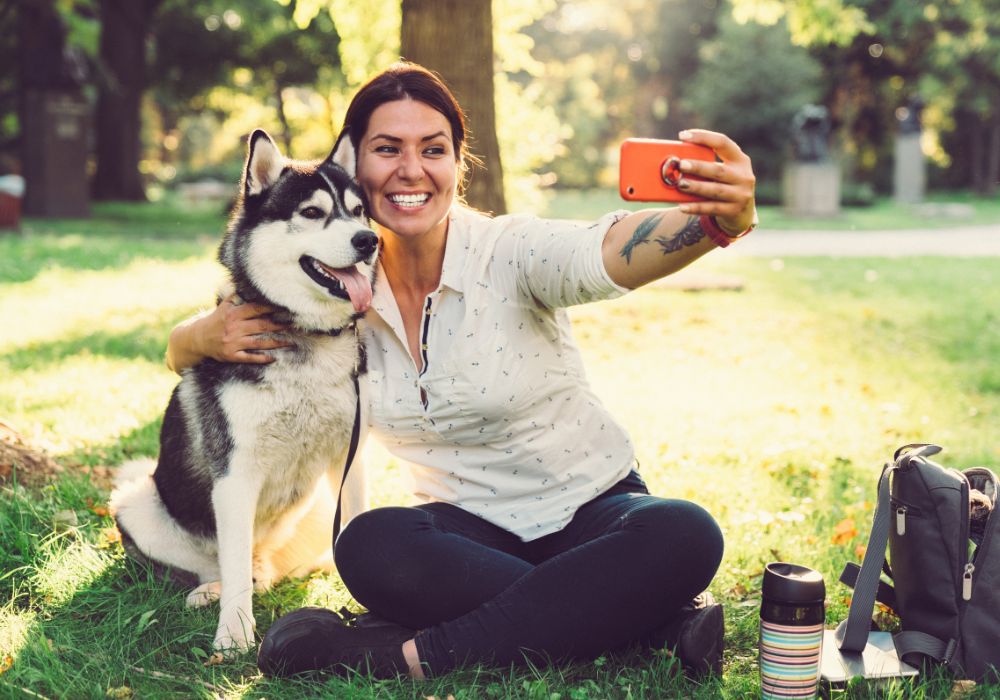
[357, 211]
[385, 149]
[312, 213]
[435, 151]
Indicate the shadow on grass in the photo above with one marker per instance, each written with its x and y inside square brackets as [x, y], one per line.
[142, 342]
[23, 258]
[144, 441]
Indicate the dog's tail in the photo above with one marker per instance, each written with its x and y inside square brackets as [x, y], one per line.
[134, 470]
[149, 535]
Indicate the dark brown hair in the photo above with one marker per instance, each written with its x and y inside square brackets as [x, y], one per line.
[404, 80]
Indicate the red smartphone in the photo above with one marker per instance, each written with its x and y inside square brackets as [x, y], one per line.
[649, 169]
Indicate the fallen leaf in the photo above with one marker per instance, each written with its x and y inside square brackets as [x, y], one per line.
[962, 689]
[5, 663]
[215, 659]
[64, 520]
[860, 550]
[844, 531]
[120, 693]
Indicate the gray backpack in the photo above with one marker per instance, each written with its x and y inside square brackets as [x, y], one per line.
[945, 582]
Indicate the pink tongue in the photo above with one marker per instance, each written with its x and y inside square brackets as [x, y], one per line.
[357, 285]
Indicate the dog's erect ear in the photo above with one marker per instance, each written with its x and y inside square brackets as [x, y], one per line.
[264, 163]
[343, 154]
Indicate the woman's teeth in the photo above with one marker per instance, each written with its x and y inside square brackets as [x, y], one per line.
[409, 200]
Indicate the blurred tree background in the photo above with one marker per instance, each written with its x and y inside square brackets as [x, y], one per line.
[175, 85]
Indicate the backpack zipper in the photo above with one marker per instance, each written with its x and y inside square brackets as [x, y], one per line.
[969, 568]
[967, 581]
[901, 510]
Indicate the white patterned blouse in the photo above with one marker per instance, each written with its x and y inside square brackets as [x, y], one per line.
[501, 420]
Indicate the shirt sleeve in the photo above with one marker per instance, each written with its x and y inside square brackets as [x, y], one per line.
[555, 262]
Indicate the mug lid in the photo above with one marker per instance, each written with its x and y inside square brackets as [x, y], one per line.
[792, 583]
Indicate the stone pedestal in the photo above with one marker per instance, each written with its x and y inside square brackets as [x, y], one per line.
[55, 153]
[811, 189]
[910, 172]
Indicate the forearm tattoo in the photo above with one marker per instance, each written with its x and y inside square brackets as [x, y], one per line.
[690, 234]
[640, 235]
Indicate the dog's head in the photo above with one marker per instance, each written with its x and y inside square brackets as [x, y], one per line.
[299, 236]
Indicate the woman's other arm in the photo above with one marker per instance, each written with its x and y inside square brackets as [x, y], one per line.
[231, 332]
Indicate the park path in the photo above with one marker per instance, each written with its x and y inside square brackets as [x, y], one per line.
[961, 241]
[964, 241]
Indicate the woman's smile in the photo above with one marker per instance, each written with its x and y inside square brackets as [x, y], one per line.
[408, 168]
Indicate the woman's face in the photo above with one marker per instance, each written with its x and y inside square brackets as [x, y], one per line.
[408, 168]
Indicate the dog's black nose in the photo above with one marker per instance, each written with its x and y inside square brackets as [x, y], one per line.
[365, 242]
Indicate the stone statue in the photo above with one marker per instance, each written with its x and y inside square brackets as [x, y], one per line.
[909, 116]
[810, 132]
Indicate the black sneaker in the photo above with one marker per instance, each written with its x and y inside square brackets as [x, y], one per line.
[695, 636]
[316, 639]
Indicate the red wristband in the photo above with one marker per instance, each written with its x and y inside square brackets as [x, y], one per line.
[718, 235]
[714, 231]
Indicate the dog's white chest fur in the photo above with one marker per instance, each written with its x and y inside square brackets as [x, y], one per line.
[294, 424]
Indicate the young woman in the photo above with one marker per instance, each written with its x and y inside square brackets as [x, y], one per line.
[536, 537]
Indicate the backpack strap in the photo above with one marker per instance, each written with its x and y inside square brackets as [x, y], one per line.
[914, 642]
[886, 594]
[852, 633]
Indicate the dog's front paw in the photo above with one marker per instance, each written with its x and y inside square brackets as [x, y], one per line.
[235, 635]
[203, 595]
[263, 574]
[262, 585]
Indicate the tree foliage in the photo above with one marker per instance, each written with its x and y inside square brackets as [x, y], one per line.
[240, 46]
[725, 91]
[882, 55]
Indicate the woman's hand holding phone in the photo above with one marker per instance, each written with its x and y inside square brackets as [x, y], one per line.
[705, 172]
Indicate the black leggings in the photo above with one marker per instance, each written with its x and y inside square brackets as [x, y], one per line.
[622, 567]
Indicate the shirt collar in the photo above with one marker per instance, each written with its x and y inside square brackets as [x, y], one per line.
[456, 252]
[457, 248]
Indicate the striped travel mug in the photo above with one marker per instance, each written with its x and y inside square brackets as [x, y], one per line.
[791, 631]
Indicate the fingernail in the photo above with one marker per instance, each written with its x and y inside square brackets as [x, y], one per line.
[685, 165]
[684, 209]
[685, 134]
[683, 184]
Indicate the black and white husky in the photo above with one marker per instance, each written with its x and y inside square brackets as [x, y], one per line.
[251, 456]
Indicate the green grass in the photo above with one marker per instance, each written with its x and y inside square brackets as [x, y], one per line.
[938, 212]
[774, 407]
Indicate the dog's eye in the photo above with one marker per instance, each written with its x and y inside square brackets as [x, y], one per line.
[312, 213]
[357, 211]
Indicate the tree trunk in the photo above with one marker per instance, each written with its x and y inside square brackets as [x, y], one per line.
[454, 38]
[52, 115]
[993, 158]
[286, 130]
[125, 26]
[977, 165]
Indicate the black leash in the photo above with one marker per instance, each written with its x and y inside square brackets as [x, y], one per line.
[351, 452]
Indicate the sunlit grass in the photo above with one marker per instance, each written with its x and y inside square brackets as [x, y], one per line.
[15, 627]
[774, 407]
[66, 567]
